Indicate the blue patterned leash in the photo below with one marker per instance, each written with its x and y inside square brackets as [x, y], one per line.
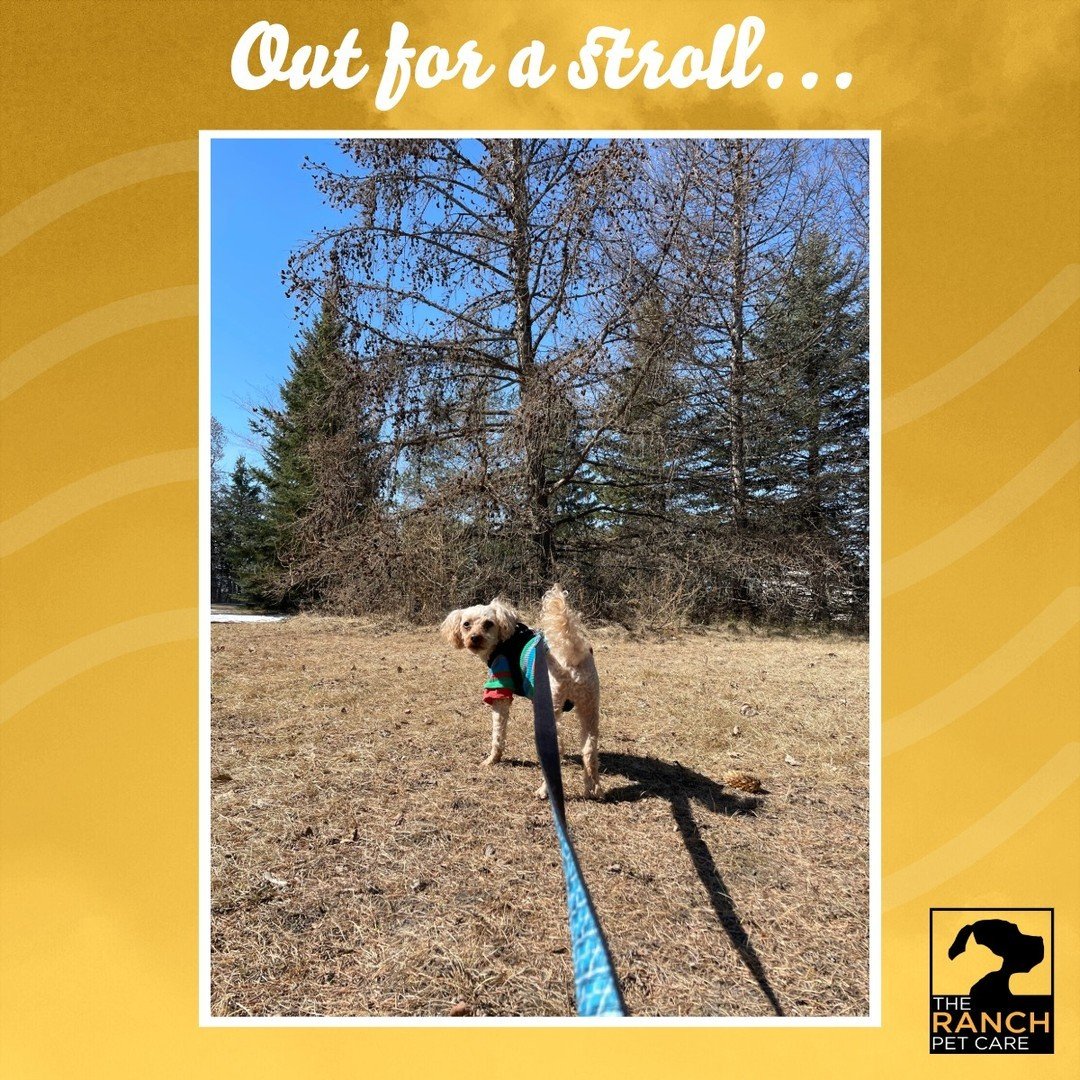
[596, 986]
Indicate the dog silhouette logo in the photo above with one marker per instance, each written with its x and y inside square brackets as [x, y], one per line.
[1019, 953]
[991, 981]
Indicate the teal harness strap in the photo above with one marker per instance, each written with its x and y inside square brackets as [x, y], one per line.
[595, 983]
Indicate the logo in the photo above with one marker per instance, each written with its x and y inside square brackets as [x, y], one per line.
[991, 980]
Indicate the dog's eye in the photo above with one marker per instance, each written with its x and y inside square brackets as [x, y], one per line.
[466, 625]
[488, 624]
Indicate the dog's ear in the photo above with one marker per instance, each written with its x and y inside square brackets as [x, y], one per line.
[451, 629]
[506, 618]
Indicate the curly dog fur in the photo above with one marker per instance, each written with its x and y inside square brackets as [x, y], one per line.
[571, 667]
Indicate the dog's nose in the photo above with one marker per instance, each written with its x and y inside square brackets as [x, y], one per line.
[476, 639]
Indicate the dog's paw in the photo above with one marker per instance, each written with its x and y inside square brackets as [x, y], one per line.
[541, 791]
[593, 790]
[492, 759]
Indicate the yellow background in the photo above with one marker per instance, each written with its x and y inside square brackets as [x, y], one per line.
[977, 103]
[956, 977]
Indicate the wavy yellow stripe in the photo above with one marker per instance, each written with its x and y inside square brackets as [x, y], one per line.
[989, 517]
[987, 355]
[115, 482]
[988, 677]
[78, 657]
[988, 833]
[91, 183]
[91, 327]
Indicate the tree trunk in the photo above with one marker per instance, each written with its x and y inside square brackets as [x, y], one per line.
[737, 397]
[534, 402]
[740, 513]
[815, 511]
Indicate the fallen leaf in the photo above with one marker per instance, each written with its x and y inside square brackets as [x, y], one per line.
[789, 760]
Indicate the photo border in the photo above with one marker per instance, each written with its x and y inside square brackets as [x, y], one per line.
[873, 1019]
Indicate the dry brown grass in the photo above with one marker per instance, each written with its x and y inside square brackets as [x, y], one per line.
[365, 863]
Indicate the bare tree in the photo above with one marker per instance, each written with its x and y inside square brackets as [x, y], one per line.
[591, 359]
[497, 275]
[851, 175]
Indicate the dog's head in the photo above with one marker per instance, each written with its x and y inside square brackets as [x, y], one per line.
[481, 627]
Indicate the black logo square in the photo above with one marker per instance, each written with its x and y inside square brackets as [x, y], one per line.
[991, 980]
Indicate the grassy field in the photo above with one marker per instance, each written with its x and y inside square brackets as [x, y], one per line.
[365, 863]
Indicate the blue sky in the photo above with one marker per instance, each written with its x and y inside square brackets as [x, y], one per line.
[262, 203]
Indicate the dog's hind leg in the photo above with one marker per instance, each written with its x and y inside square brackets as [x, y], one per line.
[500, 710]
[589, 718]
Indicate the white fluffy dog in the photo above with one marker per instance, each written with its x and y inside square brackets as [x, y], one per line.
[495, 633]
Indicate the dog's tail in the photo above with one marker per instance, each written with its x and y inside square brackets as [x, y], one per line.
[562, 628]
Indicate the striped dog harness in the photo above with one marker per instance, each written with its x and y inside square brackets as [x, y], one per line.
[512, 667]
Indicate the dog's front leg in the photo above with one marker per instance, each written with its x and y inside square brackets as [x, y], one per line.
[500, 710]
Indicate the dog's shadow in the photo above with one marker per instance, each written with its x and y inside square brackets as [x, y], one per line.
[520, 763]
[652, 778]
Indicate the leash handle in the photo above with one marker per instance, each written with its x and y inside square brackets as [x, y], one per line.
[596, 987]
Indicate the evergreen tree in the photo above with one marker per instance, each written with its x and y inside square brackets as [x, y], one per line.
[638, 467]
[221, 580]
[321, 451]
[289, 472]
[810, 448]
[637, 539]
[240, 531]
[218, 441]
